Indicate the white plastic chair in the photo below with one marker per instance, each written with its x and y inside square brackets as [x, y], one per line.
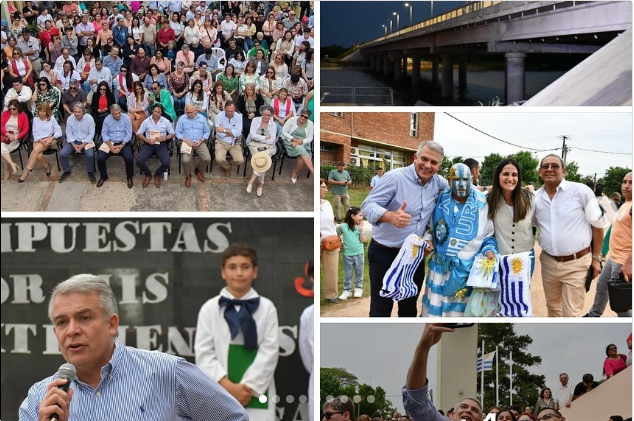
[219, 54]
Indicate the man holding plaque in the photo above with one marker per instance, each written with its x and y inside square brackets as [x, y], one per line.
[155, 132]
[193, 131]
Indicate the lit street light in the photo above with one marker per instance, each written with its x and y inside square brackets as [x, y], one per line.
[410, 12]
[390, 25]
[397, 20]
[384, 30]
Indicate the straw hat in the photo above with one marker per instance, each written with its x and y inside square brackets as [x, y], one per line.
[261, 161]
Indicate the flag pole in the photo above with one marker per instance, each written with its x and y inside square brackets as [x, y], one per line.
[482, 378]
[511, 379]
[497, 394]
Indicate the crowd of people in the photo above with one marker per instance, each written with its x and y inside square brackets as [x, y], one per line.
[472, 231]
[246, 69]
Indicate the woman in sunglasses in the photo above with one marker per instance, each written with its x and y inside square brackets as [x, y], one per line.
[298, 135]
[20, 67]
[45, 94]
[100, 105]
[614, 363]
[15, 127]
[269, 85]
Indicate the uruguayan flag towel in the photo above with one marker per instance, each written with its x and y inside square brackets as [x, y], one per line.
[398, 283]
[515, 278]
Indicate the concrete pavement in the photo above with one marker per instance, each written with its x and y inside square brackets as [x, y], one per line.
[218, 193]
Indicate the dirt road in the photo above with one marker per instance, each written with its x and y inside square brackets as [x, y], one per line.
[359, 307]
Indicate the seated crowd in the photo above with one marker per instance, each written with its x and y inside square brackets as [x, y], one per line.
[228, 78]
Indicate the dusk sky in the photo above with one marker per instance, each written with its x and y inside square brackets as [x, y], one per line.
[345, 23]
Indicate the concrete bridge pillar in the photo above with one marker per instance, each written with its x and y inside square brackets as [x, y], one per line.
[398, 72]
[462, 73]
[447, 76]
[515, 77]
[415, 70]
[372, 61]
[404, 67]
[434, 68]
[386, 65]
[378, 61]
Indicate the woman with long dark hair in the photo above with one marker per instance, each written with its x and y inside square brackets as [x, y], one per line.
[100, 104]
[15, 126]
[230, 81]
[138, 106]
[44, 93]
[248, 105]
[511, 208]
[198, 98]
[217, 100]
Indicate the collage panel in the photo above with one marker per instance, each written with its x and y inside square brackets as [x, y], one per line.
[477, 53]
[476, 372]
[108, 290]
[205, 106]
[477, 214]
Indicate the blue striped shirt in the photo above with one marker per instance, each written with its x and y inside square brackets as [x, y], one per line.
[416, 403]
[143, 385]
[388, 195]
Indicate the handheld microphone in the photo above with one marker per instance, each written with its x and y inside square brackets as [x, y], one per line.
[68, 372]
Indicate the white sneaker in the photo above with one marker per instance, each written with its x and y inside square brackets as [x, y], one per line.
[358, 293]
[345, 295]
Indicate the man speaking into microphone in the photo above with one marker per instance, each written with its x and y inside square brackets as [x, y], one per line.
[115, 381]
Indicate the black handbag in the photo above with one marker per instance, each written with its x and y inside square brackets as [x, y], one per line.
[620, 294]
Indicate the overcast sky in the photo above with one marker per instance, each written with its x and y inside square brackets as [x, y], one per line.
[348, 22]
[362, 349]
[596, 131]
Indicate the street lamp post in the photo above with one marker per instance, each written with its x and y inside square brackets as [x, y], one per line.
[410, 12]
[384, 30]
[390, 25]
[432, 9]
[397, 20]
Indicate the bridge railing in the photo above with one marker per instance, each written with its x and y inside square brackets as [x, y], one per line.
[467, 16]
[361, 95]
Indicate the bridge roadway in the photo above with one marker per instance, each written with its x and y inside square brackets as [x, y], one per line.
[514, 29]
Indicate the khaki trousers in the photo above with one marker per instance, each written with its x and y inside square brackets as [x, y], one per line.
[564, 283]
[330, 266]
[235, 151]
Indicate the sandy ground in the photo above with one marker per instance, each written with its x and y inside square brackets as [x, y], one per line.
[360, 307]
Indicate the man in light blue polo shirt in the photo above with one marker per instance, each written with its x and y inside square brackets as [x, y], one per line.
[192, 129]
[400, 205]
[80, 135]
[116, 133]
[228, 137]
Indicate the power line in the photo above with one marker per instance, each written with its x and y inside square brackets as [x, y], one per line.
[498, 139]
[592, 150]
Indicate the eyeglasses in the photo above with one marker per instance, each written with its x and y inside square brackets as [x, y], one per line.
[42, 84]
[546, 417]
[612, 348]
[554, 167]
[266, 115]
[12, 109]
[269, 73]
[303, 116]
[329, 415]
[124, 71]
[73, 88]
[102, 89]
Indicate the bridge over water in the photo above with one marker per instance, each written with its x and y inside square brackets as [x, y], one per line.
[510, 28]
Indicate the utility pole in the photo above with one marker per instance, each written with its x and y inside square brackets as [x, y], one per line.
[564, 148]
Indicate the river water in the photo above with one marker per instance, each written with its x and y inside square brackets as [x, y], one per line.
[483, 87]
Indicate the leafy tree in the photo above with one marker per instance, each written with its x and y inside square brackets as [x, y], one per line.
[526, 386]
[572, 172]
[339, 382]
[487, 168]
[613, 178]
[528, 166]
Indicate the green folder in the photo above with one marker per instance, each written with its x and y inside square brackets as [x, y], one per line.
[240, 359]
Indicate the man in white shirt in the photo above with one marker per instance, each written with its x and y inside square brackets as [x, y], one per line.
[569, 220]
[98, 74]
[562, 395]
[20, 92]
[30, 47]
[228, 28]
[375, 179]
[84, 31]
[59, 63]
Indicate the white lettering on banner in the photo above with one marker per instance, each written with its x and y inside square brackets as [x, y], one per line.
[21, 337]
[22, 286]
[287, 341]
[105, 237]
[180, 341]
[27, 288]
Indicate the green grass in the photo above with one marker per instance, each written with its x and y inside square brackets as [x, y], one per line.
[357, 196]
